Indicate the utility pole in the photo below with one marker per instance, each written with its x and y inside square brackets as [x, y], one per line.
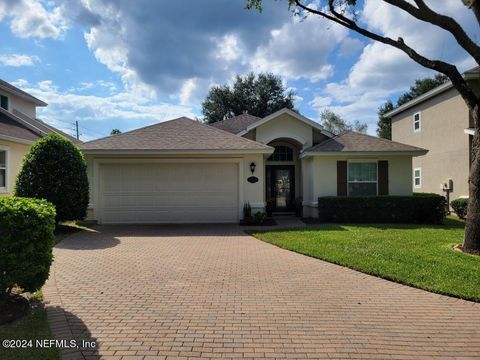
[76, 128]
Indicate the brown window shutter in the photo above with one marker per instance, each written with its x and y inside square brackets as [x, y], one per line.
[383, 177]
[341, 178]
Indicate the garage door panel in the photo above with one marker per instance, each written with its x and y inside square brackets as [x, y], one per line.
[169, 192]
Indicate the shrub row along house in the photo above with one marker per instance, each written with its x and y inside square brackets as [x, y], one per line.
[186, 171]
[439, 120]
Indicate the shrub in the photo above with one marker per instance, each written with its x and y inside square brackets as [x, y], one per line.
[247, 210]
[259, 217]
[427, 208]
[54, 169]
[460, 207]
[26, 242]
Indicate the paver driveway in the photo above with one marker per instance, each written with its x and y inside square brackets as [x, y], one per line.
[212, 291]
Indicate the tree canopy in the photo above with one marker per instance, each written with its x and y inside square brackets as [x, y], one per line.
[420, 87]
[336, 124]
[115, 131]
[259, 95]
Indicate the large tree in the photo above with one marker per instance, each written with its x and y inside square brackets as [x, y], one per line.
[259, 95]
[344, 13]
[421, 86]
[336, 124]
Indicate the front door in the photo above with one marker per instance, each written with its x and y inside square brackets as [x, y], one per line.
[281, 187]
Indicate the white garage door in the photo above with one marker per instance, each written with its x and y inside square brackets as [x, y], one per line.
[168, 192]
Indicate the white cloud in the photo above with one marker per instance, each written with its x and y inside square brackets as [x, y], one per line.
[350, 46]
[30, 18]
[17, 60]
[228, 48]
[186, 92]
[99, 114]
[299, 49]
[320, 102]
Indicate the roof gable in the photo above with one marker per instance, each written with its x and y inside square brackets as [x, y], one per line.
[352, 141]
[9, 88]
[180, 134]
[293, 114]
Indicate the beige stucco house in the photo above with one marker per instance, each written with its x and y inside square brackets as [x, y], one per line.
[19, 129]
[438, 121]
[183, 170]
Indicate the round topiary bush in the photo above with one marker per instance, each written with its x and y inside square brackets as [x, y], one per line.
[460, 207]
[26, 242]
[54, 169]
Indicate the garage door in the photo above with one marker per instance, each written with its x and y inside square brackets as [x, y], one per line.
[167, 192]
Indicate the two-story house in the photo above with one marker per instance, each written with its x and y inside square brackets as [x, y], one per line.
[440, 122]
[19, 129]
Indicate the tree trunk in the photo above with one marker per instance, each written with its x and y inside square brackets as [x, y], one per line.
[471, 240]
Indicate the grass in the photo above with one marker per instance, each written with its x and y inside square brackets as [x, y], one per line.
[416, 255]
[31, 327]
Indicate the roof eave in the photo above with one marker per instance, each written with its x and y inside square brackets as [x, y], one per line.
[175, 151]
[16, 139]
[428, 95]
[364, 153]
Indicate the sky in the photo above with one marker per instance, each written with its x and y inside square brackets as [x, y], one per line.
[126, 64]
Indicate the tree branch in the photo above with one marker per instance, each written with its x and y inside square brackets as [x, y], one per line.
[426, 14]
[440, 66]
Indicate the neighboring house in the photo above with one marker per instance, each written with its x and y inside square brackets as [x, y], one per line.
[439, 121]
[19, 128]
[186, 171]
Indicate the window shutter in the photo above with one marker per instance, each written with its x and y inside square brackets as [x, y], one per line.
[383, 177]
[341, 178]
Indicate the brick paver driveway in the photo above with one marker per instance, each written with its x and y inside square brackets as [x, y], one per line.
[212, 291]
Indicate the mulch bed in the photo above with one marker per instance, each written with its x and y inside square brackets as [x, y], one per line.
[459, 247]
[15, 307]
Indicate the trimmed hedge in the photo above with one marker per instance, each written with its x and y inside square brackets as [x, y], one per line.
[54, 169]
[26, 241]
[460, 207]
[421, 209]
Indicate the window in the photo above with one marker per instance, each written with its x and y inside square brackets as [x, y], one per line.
[362, 178]
[3, 170]
[4, 102]
[417, 177]
[281, 153]
[417, 122]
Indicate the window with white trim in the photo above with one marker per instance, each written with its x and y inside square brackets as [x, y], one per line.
[3, 170]
[417, 122]
[417, 177]
[362, 178]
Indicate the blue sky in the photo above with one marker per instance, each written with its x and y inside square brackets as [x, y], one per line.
[126, 64]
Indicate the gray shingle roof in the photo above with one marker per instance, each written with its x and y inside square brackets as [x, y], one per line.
[178, 134]
[352, 141]
[237, 123]
[20, 126]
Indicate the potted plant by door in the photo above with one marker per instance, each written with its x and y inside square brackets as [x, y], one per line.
[247, 213]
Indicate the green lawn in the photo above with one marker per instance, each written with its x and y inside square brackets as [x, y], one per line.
[417, 255]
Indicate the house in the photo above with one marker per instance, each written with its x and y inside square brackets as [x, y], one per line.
[187, 171]
[19, 129]
[439, 121]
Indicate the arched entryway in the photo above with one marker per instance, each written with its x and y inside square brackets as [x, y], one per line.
[282, 172]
